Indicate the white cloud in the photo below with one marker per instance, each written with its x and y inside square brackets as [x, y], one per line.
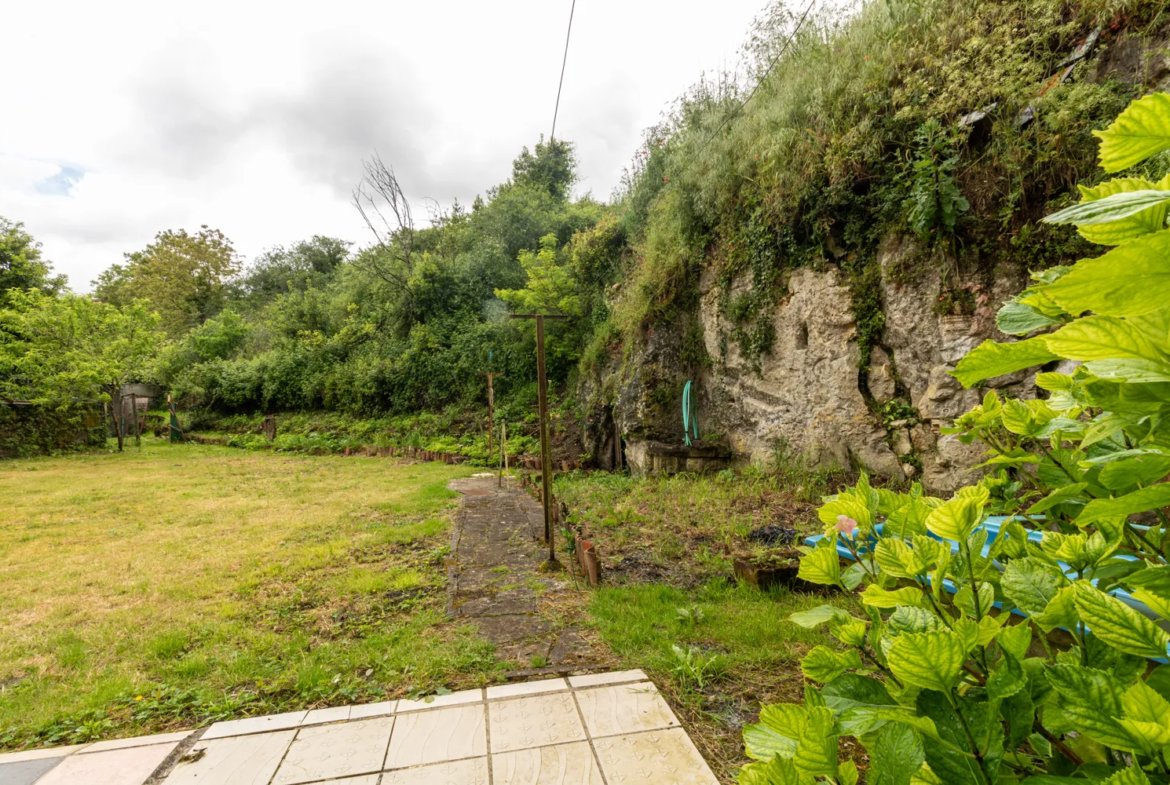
[254, 117]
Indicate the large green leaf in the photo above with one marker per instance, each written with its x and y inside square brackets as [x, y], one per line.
[1130, 776]
[824, 664]
[1016, 318]
[816, 749]
[1091, 702]
[1102, 338]
[949, 753]
[957, 518]
[931, 660]
[777, 771]
[1120, 231]
[777, 731]
[822, 566]
[1138, 470]
[1152, 498]
[877, 597]
[1061, 611]
[1059, 496]
[1129, 280]
[1139, 132]
[815, 617]
[990, 359]
[895, 753]
[1119, 625]
[1114, 207]
[1029, 584]
[1147, 715]
[850, 690]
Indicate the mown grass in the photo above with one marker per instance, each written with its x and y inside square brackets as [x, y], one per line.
[743, 652]
[178, 585]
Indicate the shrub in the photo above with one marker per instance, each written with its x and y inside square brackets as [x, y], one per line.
[936, 686]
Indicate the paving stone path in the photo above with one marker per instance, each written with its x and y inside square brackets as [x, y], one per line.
[494, 581]
[593, 729]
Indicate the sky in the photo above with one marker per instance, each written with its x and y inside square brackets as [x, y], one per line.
[123, 119]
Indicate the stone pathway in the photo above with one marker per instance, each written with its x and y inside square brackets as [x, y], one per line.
[495, 551]
[597, 729]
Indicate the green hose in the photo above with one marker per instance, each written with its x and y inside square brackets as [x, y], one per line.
[690, 424]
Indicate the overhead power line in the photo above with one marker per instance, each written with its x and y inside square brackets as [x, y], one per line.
[762, 79]
[552, 136]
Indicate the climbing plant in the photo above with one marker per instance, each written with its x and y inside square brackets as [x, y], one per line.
[935, 676]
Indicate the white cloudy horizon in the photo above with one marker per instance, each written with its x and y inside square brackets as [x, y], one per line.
[132, 118]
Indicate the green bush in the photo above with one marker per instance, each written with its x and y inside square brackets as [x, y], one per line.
[935, 685]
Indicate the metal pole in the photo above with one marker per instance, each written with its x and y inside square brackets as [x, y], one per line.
[545, 453]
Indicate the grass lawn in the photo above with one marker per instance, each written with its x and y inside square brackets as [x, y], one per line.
[178, 585]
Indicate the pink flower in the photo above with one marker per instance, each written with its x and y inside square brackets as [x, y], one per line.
[846, 525]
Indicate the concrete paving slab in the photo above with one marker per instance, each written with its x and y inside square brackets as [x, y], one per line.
[130, 766]
[463, 772]
[336, 751]
[239, 760]
[433, 736]
[601, 679]
[367, 710]
[656, 758]
[322, 716]
[365, 779]
[624, 708]
[561, 764]
[534, 721]
[26, 772]
[38, 754]
[441, 701]
[137, 741]
[526, 688]
[272, 722]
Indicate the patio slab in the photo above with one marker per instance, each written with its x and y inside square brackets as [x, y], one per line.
[130, 766]
[336, 751]
[239, 760]
[592, 729]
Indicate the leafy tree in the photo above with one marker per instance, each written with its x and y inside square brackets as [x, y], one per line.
[551, 167]
[21, 265]
[308, 263]
[58, 352]
[183, 276]
[551, 287]
[935, 685]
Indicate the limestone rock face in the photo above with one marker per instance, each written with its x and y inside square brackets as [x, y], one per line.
[805, 397]
[808, 396]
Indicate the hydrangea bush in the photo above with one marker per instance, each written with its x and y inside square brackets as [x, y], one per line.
[934, 674]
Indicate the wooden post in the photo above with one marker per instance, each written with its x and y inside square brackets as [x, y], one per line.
[503, 452]
[491, 413]
[137, 425]
[117, 415]
[545, 447]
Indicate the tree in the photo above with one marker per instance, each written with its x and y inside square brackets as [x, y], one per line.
[21, 265]
[183, 276]
[553, 167]
[57, 352]
[551, 287]
[308, 263]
